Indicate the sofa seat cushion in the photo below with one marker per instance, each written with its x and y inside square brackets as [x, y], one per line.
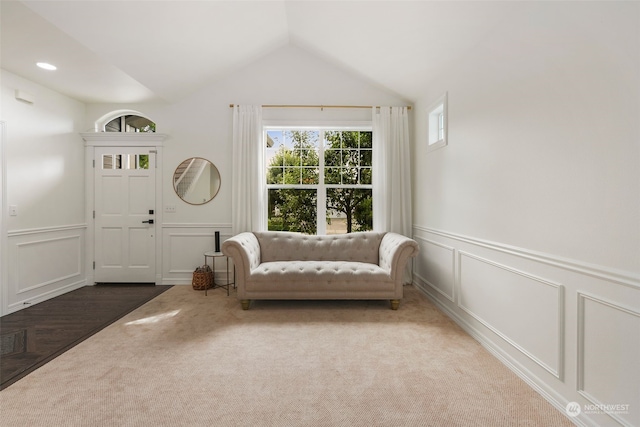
[318, 275]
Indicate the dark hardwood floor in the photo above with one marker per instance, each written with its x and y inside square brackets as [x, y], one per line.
[32, 337]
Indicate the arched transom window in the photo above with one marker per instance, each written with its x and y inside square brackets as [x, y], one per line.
[130, 123]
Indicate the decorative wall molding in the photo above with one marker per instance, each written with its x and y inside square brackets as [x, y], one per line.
[559, 332]
[596, 309]
[191, 237]
[599, 272]
[77, 239]
[114, 139]
[45, 262]
[582, 355]
[184, 245]
[452, 295]
[40, 230]
[551, 395]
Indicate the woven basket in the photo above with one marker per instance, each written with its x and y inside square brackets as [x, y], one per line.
[202, 278]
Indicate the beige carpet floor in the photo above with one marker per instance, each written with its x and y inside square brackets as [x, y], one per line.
[184, 359]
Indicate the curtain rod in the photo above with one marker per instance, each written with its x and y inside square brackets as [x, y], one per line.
[317, 106]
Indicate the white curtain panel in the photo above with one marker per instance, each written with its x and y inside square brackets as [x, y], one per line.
[392, 172]
[248, 185]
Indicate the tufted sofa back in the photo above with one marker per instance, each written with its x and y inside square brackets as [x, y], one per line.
[287, 246]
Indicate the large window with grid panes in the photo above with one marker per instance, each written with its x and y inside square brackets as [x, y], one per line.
[319, 180]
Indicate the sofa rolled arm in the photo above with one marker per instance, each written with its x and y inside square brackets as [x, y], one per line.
[244, 250]
[395, 252]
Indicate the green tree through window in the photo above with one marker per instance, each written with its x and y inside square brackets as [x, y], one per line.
[348, 161]
[319, 172]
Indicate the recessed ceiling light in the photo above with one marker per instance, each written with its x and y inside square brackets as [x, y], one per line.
[46, 66]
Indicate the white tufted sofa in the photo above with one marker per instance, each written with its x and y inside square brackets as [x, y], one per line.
[285, 265]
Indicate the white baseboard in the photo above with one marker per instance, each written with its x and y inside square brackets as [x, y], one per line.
[549, 395]
[528, 310]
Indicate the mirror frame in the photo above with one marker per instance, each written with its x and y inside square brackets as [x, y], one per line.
[214, 168]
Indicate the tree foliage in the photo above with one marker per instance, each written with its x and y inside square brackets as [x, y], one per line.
[143, 161]
[347, 158]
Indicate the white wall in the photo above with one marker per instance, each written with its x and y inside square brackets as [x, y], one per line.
[45, 181]
[529, 220]
[201, 125]
[544, 137]
[46, 165]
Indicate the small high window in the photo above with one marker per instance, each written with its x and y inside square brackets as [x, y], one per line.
[130, 123]
[438, 123]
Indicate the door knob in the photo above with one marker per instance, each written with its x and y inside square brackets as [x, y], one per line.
[148, 222]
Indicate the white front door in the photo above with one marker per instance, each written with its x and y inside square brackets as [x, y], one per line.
[124, 215]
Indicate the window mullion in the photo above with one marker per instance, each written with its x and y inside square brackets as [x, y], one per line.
[352, 154]
[322, 192]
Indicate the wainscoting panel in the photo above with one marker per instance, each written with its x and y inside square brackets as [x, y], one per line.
[568, 328]
[605, 329]
[526, 311]
[436, 267]
[186, 251]
[44, 263]
[184, 246]
[62, 256]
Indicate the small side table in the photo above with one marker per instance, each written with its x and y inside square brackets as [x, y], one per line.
[213, 255]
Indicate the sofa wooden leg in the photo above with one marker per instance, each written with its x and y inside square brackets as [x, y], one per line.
[245, 304]
[395, 303]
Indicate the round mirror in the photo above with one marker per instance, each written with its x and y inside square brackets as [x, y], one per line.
[196, 181]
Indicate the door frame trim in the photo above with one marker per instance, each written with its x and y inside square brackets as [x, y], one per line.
[4, 264]
[124, 139]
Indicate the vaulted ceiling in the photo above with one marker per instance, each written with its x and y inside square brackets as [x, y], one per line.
[154, 51]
